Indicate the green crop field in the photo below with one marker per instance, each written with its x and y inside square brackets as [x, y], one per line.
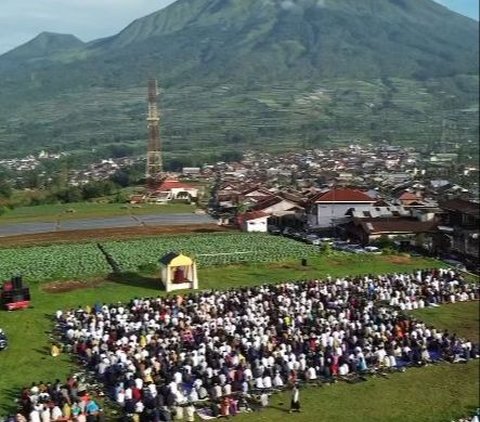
[41, 263]
[395, 399]
[63, 212]
[209, 250]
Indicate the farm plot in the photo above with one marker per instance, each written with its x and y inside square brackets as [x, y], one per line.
[54, 262]
[209, 249]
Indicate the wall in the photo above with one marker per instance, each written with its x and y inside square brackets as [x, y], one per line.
[257, 225]
[326, 212]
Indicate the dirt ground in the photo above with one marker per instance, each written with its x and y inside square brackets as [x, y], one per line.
[117, 233]
[398, 259]
[70, 285]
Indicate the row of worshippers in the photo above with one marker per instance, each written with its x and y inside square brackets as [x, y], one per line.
[67, 401]
[158, 353]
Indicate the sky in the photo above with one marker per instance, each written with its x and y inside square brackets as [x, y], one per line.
[22, 20]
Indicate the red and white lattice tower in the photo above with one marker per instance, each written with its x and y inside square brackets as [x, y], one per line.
[154, 173]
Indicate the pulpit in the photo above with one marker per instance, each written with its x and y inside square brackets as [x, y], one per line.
[178, 272]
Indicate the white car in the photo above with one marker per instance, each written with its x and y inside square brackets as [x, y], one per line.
[312, 239]
[373, 250]
[355, 249]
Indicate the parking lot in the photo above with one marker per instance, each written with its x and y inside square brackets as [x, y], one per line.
[318, 240]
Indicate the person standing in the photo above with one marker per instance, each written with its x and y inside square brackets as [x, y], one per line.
[295, 403]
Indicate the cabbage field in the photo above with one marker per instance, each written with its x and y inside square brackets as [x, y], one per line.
[74, 261]
[208, 249]
[53, 262]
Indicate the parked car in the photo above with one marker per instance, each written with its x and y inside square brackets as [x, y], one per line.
[373, 250]
[340, 245]
[327, 240]
[353, 248]
[313, 239]
[274, 230]
[455, 264]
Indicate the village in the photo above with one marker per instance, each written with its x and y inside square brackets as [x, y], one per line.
[348, 198]
[363, 195]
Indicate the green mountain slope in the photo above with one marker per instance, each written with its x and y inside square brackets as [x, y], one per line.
[43, 45]
[387, 66]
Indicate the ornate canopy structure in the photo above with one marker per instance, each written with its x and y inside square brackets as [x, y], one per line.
[178, 272]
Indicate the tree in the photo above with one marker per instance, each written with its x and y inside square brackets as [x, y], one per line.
[5, 188]
[121, 178]
[72, 194]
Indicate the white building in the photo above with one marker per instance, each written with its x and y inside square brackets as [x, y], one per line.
[172, 189]
[329, 208]
[255, 221]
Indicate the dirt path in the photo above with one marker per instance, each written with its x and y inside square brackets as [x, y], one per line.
[117, 233]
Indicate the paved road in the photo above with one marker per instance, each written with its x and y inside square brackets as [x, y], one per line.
[104, 223]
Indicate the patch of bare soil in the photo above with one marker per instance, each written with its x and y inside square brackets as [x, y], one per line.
[114, 233]
[396, 259]
[70, 285]
[284, 265]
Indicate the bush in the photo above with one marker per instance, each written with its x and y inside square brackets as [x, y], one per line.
[149, 268]
[326, 249]
[389, 251]
[384, 242]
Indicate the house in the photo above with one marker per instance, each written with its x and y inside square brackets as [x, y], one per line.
[276, 204]
[283, 212]
[254, 221]
[407, 199]
[137, 199]
[460, 228]
[370, 229]
[254, 195]
[191, 171]
[380, 211]
[172, 189]
[328, 207]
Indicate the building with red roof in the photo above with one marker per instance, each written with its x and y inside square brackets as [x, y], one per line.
[331, 207]
[172, 189]
[409, 198]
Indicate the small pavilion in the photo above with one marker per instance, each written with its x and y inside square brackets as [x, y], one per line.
[178, 272]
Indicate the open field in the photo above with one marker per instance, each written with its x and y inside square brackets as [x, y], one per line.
[66, 212]
[433, 394]
[396, 399]
[460, 318]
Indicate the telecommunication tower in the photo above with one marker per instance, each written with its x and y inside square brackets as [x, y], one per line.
[154, 151]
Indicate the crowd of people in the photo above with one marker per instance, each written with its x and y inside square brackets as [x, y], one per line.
[155, 355]
[58, 401]
[218, 353]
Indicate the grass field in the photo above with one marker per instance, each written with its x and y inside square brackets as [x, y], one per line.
[397, 399]
[59, 212]
[463, 319]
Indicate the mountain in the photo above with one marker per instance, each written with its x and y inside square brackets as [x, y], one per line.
[328, 38]
[42, 46]
[242, 71]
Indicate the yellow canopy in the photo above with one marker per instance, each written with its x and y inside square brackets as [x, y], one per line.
[181, 261]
